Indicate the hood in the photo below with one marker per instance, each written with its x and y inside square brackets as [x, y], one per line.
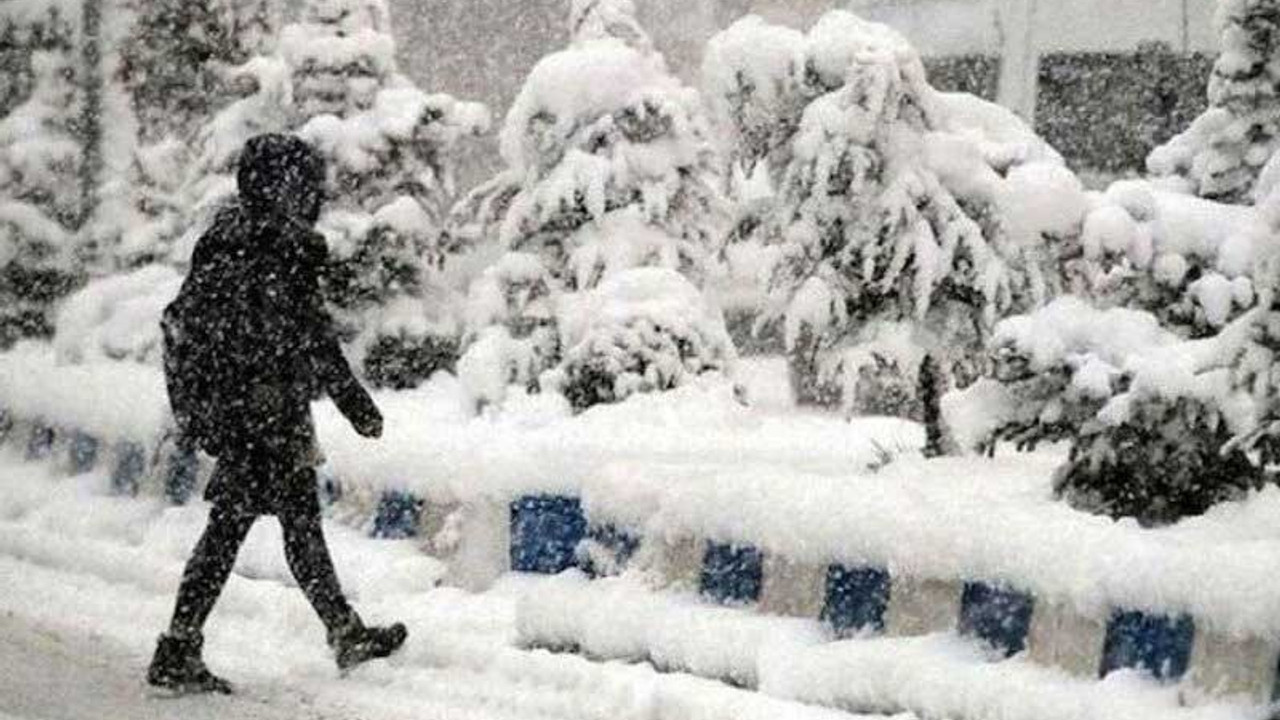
[281, 175]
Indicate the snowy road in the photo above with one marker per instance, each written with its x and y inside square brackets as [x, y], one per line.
[86, 581]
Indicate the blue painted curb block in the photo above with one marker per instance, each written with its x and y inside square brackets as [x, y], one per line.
[618, 545]
[856, 600]
[397, 517]
[131, 465]
[181, 476]
[732, 575]
[1158, 644]
[545, 533]
[998, 616]
[40, 442]
[83, 452]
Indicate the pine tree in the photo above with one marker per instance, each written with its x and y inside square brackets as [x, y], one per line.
[897, 233]
[1223, 152]
[389, 147]
[611, 170]
[40, 198]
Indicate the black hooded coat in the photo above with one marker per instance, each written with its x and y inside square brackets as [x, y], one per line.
[267, 346]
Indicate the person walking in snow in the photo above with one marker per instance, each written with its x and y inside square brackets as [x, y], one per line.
[248, 346]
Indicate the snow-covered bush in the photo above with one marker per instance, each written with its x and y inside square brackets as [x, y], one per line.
[610, 168]
[41, 197]
[642, 330]
[341, 53]
[1224, 151]
[753, 76]
[895, 203]
[262, 103]
[1161, 427]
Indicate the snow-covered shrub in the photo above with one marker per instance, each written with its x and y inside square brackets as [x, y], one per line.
[753, 81]
[1169, 459]
[895, 203]
[341, 53]
[1224, 151]
[262, 103]
[610, 168]
[1162, 427]
[1186, 260]
[41, 197]
[642, 330]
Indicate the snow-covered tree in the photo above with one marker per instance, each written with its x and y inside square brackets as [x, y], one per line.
[610, 168]
[168, 67]
[389, 147]
[1161, 427]
[1223, 152]
[906, 220]
[40, 198]
[1171, 405]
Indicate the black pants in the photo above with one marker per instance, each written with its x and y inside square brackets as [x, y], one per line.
[215, 555]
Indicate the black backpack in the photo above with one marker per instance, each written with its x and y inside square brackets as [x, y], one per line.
[188, 373]
[208, 340]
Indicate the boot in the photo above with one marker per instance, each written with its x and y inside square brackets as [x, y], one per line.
[353, 643]
[178, 666]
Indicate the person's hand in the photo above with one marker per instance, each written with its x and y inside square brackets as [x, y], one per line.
[370, 426]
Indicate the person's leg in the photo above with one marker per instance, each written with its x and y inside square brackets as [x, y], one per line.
[209, 569]
[312, 566]
[309, 560]
[178, 663]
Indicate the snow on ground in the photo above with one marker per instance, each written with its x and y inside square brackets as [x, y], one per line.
[86, 583]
